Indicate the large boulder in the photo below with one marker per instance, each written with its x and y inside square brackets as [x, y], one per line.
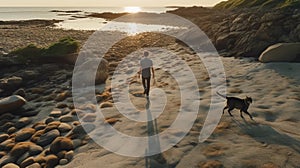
[11, 103]
[281, 52]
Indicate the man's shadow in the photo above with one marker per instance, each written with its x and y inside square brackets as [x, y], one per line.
[267, 134]
[153, 161]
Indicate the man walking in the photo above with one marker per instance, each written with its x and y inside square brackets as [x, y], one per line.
[146, 65]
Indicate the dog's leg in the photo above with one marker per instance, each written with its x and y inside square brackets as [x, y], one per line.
[230, 109]
[248, 114]
[226, 107]
[241, 112]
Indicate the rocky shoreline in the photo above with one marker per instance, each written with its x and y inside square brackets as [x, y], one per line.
[245, 32]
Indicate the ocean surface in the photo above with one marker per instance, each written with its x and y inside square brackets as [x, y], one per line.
[74, 17]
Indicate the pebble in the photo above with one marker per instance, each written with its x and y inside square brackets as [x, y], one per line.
[82, 129]
[20, 148]
[39, 126]
[35, 137]
[61, 105]
[7, 125]
[51, 126]
[61, 154]
[2, 154]
[66, 118]
[10, 165]
[106, 104]
[60, 144]
[65, 111]
[64, 127]
[20, 92]
[27, 162]
[35, 149]
[29, 113]
[62, 96]
[35, 165]
[24, 134]
[49, 120]
[48, 137]
[7, 144]
[55, 113]
[3, 137]
[11, 130]
[111, 120]
[69, 155]
[63, 161]
[51, 161]
[7, 116]
[90, 117]
[22, 122]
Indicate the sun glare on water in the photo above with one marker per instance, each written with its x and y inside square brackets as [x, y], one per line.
[132, 9]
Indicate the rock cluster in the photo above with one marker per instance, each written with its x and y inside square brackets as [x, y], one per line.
[245, 32]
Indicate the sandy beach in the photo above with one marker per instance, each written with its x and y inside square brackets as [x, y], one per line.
[271, 140]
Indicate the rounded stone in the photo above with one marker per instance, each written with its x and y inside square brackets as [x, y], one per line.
[39, 126]
[106, 105]
[35, 150]
[64, 127]
[11, 130]
[60, 144]
[66, 118]
[90, 117]
[27, 162]
[3, 137]
[52, 125]
[35, 165]
[48, 137]
[24, 134]
[2, 154]
[49, 120]
[61, 105]
[69, 155]
[10, 165]
[20, 148]
[55, 113]
[22, 122]
[51, 161]
[63, 161]
[11, 103]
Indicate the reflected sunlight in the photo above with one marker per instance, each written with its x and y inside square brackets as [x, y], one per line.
[132, 9]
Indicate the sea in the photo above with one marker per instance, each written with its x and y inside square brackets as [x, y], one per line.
[74, 17]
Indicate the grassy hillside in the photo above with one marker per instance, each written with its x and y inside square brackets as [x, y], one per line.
[263, 4]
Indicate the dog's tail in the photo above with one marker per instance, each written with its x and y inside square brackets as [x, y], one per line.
[225, 97]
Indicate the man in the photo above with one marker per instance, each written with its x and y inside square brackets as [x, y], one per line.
[146, 65]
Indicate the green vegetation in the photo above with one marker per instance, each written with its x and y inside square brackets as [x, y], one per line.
[59, 49]
[63, 47]
[262, 4]
[27, 53]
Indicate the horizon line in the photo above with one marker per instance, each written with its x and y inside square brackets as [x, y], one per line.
[167, 6]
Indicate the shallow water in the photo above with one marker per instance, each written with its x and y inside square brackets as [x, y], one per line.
[78, 21]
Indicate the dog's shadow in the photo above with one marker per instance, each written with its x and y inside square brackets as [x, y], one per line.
[267, 134]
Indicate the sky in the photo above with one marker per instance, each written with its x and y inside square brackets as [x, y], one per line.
[107, 3]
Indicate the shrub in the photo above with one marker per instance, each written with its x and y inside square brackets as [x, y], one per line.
[27, 53]
[57, 50]
[63, 47]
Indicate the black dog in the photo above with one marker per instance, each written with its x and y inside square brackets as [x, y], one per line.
[234, 102]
